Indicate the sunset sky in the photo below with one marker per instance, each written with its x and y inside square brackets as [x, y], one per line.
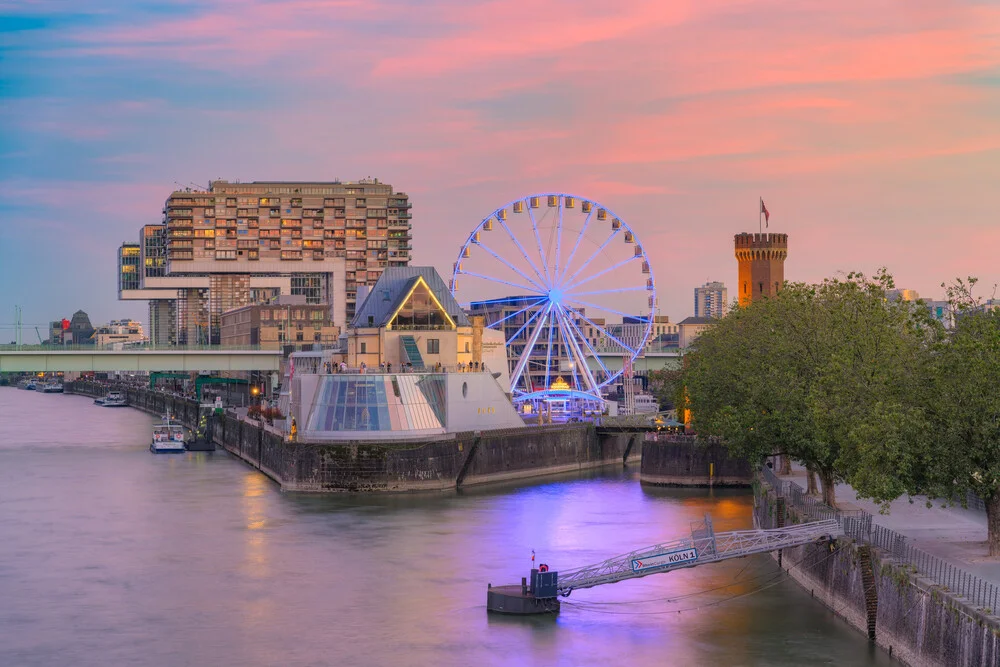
[871, 128]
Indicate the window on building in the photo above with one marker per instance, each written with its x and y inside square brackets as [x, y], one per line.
[466, 346]
[433, 346]
[364, 348]
[298, 336]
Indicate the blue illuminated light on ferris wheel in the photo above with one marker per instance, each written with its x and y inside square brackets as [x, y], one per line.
[567, 282]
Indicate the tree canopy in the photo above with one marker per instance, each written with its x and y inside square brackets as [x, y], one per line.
[835, 375]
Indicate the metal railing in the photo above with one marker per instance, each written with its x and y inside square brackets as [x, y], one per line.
[858, 525]
[136, 348]
[703, 546]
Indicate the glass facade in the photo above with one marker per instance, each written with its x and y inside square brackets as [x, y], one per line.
[154, 240]
[128, 267]
[378, 403]
[309, 285]
[420, 311]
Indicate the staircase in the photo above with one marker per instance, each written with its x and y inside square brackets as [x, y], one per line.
[411, 352]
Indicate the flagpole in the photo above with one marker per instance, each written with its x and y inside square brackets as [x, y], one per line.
[760, 214]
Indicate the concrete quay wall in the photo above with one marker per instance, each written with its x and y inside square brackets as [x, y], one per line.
[437, 464]
[918, 622]
[440, 464]
[682, 460]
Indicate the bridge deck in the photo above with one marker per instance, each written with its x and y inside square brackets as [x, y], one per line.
[702, 547]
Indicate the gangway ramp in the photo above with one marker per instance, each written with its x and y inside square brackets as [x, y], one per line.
[702, 547]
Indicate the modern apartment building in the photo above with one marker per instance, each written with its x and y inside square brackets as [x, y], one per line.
[238, 244]
[710, 300]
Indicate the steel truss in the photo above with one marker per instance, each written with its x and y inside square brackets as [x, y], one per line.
[711, 547]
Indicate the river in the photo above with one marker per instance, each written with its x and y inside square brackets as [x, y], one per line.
[110, 555]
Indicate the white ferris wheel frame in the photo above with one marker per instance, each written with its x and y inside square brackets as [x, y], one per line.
[554, 287]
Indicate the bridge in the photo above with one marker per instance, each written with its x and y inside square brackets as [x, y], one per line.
[22, 359]
[702, 547]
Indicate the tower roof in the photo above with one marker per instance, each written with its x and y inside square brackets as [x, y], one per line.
[392, 288]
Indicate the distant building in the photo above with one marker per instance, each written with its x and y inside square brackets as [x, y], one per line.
[692, 327]
[710, 300]
[286, 321]
[236, 244]
[119, 333]
[902, 295]
[761, 259]
[410, 317]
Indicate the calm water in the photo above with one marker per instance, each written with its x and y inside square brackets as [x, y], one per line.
[110, 555]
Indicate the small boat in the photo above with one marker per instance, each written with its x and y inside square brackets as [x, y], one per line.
[168, 437]
[53, 388]
[114, 399]
[30, 386]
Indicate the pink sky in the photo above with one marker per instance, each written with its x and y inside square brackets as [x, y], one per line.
[869, 128]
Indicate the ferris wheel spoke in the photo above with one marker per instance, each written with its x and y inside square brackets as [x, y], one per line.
[586, 342]
[574, 361]
[525, 325]
[522, 363]
[534, 304]
[498, 280]
[524, 253]
[511, 266]
[575, 350]
[538, 240]
[609, 291]
[572, 253]
[559, 226]
[607, 333]
[601, 273]
[640, 318]
[548, 359]
[590, 259]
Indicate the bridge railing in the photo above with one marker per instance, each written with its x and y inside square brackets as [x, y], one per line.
[137, 348]
[859, 525]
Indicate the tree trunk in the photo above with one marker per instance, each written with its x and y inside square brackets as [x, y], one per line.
[829, 488]
[993, 522]
[786, 465]
[811, 487]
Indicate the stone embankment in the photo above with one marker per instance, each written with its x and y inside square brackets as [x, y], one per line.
[683, 460]
[463, 459]
[919, 622]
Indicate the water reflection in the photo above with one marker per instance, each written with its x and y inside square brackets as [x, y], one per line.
[114, 556]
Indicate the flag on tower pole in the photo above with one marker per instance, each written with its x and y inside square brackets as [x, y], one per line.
[764, 212]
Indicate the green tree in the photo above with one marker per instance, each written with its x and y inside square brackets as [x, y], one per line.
[967, 417]
[667, 386]
[813, 374]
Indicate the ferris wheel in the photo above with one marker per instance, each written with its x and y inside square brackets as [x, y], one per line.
[567, 281]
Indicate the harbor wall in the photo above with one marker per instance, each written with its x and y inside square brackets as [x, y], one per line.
[683, 460]
[918, 622]
[437, 463]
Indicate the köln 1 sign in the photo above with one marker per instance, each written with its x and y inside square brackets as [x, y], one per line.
[662, 560]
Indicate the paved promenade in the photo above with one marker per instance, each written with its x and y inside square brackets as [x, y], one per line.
[953, 534]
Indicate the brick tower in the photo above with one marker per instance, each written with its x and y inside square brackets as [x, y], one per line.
[762, 265]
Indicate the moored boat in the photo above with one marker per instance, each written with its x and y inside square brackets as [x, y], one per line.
[114, 399]
[168, 437]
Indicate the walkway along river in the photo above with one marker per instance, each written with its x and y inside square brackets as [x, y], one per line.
[114, 556]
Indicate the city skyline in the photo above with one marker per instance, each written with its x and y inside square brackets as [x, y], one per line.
[875, 146]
